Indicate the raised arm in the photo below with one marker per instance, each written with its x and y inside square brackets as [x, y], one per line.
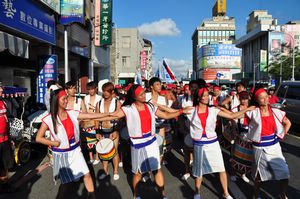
[166, 108]
[236, 115]
[40, 137]
[91, 116]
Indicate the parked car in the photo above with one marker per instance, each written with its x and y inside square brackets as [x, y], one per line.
[289, 94]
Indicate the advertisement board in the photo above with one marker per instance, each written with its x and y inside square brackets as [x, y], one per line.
[48, 71]
[219, 56]
[143, 60]
[276, 40]
[28, 18]
[71, 11]
[263, 60]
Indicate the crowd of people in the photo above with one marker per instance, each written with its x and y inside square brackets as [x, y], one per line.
[202, 117]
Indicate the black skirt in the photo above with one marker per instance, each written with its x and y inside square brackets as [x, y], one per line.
[6, 156]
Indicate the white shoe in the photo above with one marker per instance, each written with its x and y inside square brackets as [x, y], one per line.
[245, 178]
[116, 176]
[120, 164]
[96, 162]
[90, 161]
[228, 197]
[103, 176]
[185, 176]
[233, 178]
[145, 178]
[197, 196]
[191, 164]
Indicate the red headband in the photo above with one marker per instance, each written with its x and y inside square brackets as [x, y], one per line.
[138, 90]
[186, 86]
[201, 91]
[258, 92]
[61, 94]
[216, 88]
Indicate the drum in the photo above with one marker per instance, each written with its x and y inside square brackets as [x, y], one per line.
[188, 141]
[242, 155]
[227, 138]
[106, 149]
[160, 141]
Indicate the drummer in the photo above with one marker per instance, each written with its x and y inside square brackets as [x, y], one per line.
[241, 127]
[74, 102]
[265, 127]
[207, 152]
[140, 116]
[68, 161]
[89, 127]
[108, 129]
[232, 101]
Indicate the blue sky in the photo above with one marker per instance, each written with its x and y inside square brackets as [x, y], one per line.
[175, 22]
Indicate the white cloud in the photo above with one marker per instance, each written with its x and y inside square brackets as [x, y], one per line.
[179, 67]
[163, 27]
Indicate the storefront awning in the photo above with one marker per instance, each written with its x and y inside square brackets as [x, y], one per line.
[15, 45]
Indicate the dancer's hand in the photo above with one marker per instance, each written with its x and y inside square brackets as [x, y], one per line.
[56, 143]
[251, 108]
[187, 110]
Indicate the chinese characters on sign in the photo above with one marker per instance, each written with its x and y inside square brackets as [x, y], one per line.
[48, 71]
[143, 60]
[103, 24]
[27, 17]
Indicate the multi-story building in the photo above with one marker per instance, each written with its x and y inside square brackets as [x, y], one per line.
[125, 55]
[262, 43]
[219, 29]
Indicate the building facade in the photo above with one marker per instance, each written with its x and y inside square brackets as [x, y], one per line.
[125, 54]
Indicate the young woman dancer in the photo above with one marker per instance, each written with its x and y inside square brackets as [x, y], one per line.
[207, 152]
[140, 117]
[265, 127]
[68, 161]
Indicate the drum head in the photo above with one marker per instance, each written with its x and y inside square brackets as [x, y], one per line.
[188, 141]
[159, 139]
[104, 146]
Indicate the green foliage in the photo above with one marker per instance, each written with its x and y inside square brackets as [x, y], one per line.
[274, 67]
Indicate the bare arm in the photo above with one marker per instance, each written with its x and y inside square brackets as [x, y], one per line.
[235, 115]
[286, 124]
[166, 108]
[83, 107]
[40, 137]
[226, 101]
[91, 116]
[167, 115]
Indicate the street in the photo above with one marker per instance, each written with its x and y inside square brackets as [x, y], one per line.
[34, 180]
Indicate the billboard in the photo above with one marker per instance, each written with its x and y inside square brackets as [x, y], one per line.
[276, 40]
[219, 8]
[219, 56]
[221, 74]
[71, 11]
[263, 60]
[143, 60]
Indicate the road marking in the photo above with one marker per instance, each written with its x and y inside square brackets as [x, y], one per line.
[294, 136]
[30, 174]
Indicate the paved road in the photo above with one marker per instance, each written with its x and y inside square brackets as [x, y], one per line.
[38, 183]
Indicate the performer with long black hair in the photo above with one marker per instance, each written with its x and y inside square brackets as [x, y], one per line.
[68, 161]
[140, 117]
[207, 152]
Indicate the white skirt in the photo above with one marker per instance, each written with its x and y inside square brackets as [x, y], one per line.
[269, 163]
[207, 159]
[145, 159]
[69, 166]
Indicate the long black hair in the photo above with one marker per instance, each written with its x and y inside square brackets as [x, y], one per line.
[130, 97]
[54, 107]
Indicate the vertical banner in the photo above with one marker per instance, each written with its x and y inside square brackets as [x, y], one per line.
[97, 23]
[143, 60]
[263, 60]
[71, 11]
[105, 22]
[48, 71]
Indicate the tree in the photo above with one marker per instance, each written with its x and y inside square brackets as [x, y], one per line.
[287, 63]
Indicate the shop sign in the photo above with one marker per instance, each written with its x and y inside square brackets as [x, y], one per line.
[48, 71]
[28, 18]
[105, 22]
[71, 11]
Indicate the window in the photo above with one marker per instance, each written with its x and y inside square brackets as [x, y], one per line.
[125, 61]
[281, 91]
[200, 33]
[223, 33]
[231, 33]
[126, 42]
[293, 92]
[204, 33]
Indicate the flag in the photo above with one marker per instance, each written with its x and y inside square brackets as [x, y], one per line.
[169, 71]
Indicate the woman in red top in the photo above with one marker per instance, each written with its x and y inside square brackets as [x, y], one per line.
[273, 99]
[6, 154]
[68, 161]
[266, 125]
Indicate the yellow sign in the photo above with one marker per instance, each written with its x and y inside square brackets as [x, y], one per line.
[219, 8]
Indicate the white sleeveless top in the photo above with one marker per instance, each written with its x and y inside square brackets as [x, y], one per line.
[87, 103]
